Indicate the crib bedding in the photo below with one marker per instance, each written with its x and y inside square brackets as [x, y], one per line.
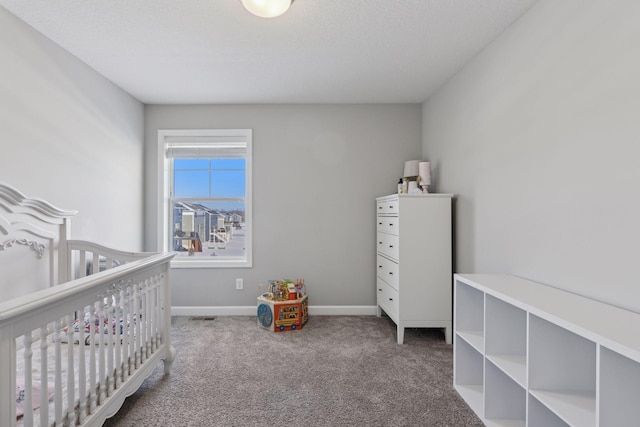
[118, 323]
[21, 404]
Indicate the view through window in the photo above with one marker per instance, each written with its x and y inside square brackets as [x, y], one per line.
[208, 196]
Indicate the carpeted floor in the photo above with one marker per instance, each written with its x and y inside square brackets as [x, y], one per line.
[336, 371]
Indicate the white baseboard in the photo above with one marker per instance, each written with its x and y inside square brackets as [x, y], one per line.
[342, 310]
[250, 310]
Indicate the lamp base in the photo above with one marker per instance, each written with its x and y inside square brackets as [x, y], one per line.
[425, 189]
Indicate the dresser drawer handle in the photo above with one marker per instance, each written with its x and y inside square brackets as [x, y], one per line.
[379, 266]
[379, 223]
[380, 289]
[391, 273]
[379, 243]
[390, 206]
[391, 246]
[390, 224]
[390, 299]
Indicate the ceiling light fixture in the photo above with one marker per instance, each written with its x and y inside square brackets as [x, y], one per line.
[267, 8]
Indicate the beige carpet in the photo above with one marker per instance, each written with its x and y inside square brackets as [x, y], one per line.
[336, 371]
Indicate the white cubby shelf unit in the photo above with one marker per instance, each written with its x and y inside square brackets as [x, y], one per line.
[528, 354]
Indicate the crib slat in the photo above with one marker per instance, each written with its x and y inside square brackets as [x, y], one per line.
[95, 263]
[158, 306]
[28, 381]
[8, 365]
[57, 373]
[44, 380]
[101, 356]
[109, 347]
[83, 264]
[125, 336]
[152, 316]
[153, 313]
[118, 338]
[143, 322]
[132, 338]
[157, 311]
[147, 322]
[82, 368]
[92, 359]
[138, 305]
[71, 400]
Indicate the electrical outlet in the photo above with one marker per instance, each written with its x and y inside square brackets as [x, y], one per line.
[239, 284]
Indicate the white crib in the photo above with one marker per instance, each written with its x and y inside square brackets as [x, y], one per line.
[81, 325]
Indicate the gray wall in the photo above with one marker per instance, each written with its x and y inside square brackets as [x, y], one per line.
[539, 137]
[316, 172]
[70, 136]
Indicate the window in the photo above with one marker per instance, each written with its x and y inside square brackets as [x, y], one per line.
[205, 211]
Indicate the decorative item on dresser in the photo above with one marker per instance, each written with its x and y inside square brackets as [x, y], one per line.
[414, 267]
[530, 354]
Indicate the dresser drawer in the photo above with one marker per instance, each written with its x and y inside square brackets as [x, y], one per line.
[388, 244]
[388, 299]
[388, 207]
[388, 224]
[388, 271]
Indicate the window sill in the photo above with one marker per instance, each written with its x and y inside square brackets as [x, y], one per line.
[207, 263]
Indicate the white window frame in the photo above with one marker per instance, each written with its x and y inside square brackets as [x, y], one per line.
[164, 188]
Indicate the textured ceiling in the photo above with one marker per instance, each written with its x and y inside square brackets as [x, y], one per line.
[321, 51]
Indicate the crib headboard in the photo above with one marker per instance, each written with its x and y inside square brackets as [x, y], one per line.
[33, 235]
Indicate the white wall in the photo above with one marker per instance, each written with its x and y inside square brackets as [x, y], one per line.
[317, 170]
[70, 136]
[539, 136]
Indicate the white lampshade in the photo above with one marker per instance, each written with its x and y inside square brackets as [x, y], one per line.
[424, 169]
[411, 168]
[267, 8]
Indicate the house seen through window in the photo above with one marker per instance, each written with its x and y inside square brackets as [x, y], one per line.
[207, 201]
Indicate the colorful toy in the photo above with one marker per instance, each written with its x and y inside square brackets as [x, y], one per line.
[284, 307]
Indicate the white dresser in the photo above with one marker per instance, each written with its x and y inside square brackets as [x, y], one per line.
[414, 271]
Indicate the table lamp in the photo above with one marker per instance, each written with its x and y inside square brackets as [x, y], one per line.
[424, 169]
[411, 169]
